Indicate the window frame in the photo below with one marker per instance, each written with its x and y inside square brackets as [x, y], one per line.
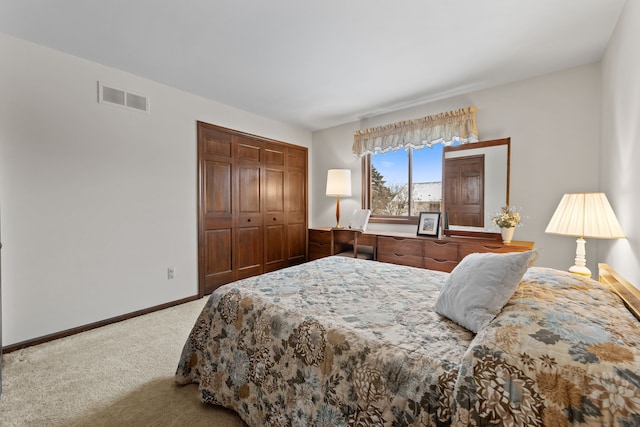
[366, 194]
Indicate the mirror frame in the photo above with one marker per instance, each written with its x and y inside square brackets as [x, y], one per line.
[474, 146]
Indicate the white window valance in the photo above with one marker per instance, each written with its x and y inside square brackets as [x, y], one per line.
[445, 128]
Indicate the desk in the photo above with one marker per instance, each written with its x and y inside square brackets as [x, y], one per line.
[406, 248]
[327, 241]
[353, 243]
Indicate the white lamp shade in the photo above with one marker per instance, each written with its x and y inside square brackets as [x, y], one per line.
[585, 215]
[339, 182]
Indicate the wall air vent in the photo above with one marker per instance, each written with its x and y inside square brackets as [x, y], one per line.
[122, 98]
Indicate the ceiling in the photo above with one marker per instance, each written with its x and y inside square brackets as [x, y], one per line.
[322, 63]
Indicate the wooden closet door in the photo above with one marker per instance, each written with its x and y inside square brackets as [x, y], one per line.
[252, 206]
[248, 245]
[296, 205]
[275, 215]
[216, 228]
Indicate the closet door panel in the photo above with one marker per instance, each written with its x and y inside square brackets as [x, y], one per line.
[274, 248]
[274, 154]
[216, 234]
[215, 142]
[248, 149]
[274, 191]
[249, 189]
[297, 159]
[296, 205]
[297, 192]
[218, 263]
[218, 188]
[297, 243]
[248, 248]
[249, 254]
[274, 173]
[275, 215]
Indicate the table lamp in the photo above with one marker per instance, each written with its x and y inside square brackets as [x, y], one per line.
[338, 184]
[584, 215]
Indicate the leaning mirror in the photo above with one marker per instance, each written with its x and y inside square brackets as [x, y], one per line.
[475, 185]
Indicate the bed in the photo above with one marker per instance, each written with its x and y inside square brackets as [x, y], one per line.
[348, 342]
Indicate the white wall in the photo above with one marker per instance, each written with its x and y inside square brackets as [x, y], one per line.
[620, 136]
[553, 122]
[97, 201]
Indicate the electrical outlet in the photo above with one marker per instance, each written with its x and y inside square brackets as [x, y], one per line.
[171, 273]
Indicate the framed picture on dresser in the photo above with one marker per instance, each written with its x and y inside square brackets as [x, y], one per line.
[428, 224]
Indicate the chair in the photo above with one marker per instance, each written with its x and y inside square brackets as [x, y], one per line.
[360, 219]
[346, 240]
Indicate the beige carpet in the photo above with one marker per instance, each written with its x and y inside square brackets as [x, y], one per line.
[118, 375]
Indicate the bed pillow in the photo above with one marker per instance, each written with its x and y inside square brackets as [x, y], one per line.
[478, 287]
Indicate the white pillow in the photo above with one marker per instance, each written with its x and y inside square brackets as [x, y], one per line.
[478, 288]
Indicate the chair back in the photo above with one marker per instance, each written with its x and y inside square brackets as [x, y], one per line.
[360, 219]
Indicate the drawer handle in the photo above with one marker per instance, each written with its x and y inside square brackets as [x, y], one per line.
[274, 219]
[249, 220]
[493, 247]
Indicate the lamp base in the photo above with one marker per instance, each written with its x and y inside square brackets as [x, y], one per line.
[580, 267]
[337, 212]
[580, 271]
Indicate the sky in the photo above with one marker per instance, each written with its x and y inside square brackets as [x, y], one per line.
[427, 165]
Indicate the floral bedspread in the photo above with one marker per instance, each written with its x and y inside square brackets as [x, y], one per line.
[563, 351]
[333, 342]
[347, 342]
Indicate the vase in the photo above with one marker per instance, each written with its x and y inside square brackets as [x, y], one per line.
[507, 234]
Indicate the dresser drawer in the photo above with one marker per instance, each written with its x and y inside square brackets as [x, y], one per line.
[410, 260]
[439, 265]
[441, 251]
[488, 247]
[316, 252]
[319, 244]
[400, 246]
[320, 236]
[365, 239]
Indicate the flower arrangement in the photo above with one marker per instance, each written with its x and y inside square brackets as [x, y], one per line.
[508, 217]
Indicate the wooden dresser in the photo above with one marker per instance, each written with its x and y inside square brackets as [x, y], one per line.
[408, 249]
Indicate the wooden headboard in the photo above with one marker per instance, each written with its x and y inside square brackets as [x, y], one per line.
[627, 292]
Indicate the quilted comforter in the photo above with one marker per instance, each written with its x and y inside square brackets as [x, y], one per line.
[347, 342]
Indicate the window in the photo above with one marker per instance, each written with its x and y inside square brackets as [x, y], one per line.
[402, 183]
